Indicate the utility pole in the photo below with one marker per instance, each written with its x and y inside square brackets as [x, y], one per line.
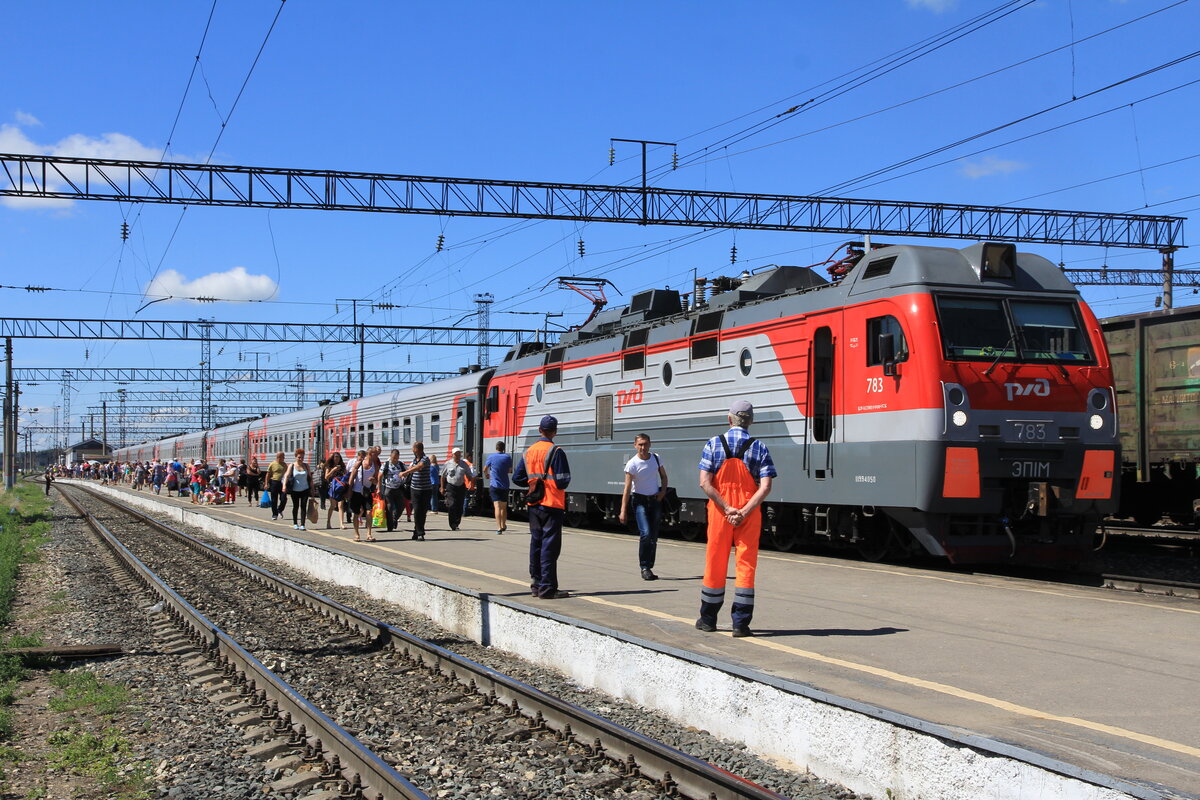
[645, 193]
[1168, 276]
[104, 423]
[359, 334]
[10, 422]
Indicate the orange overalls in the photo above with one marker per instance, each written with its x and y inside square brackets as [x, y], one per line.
[736, 486]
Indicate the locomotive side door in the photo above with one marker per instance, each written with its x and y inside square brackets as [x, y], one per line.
[818, 444]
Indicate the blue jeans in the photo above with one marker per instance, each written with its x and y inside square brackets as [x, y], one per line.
[647, 512]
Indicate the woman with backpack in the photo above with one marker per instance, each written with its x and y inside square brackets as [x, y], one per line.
[335, 479]
[392, 487]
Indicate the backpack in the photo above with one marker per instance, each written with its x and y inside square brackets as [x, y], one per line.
[337, 488]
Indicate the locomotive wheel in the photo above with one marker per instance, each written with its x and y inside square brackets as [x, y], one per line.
[879, 541]
[784, 538]
[691, 531]
[575, 519]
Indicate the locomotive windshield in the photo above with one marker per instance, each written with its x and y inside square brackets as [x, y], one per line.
[1011, 329]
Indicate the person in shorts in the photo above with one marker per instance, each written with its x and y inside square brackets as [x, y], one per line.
[496, 469]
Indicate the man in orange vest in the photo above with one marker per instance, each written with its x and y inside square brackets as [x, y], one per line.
[545, 471]
[735, 473]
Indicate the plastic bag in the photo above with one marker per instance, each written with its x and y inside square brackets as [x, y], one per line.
[265, 502]
[379, 513]
[313, 513]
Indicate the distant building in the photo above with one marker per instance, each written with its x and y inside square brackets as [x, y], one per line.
[88, 450]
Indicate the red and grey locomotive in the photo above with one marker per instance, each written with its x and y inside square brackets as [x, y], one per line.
[956, 402]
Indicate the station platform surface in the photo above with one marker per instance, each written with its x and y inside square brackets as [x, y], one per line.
[1103, 680]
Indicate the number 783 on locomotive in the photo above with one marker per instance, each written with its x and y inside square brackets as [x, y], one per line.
[957, 402]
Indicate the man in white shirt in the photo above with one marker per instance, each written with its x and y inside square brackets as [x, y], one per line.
[455, 473]
[646, 486]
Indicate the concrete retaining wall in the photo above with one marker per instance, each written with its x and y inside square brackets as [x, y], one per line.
[864, 748]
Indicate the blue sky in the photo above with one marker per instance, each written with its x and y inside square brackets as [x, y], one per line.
[535, 91]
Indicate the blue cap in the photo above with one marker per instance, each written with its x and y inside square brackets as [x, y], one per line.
[548, 423]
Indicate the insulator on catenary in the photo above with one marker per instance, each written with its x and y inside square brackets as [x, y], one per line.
[612, 156]
[581, 250]
[733, 254]
[124, 231]
[441, 242]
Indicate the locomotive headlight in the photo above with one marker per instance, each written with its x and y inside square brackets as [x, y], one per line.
[959, 418]
[1098, 399]
[1096, 421]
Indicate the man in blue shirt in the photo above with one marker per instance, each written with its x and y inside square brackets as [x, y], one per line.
[496, 469]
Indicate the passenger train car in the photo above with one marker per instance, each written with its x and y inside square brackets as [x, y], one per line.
[956, 402]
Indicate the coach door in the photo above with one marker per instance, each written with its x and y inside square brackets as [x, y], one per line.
[470, 439]
[818, 444]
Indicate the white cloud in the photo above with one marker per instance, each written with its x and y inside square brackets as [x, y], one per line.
[26, 119]
[234, 284]
[989, 165]
[108, 145]
[936, 6]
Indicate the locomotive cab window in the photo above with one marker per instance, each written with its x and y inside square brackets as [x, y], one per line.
[878, 327]
[1050, 331]
[976, 328]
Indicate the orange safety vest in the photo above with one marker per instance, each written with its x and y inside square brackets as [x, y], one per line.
[537, 458]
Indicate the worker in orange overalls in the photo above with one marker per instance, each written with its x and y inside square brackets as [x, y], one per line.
[735, 473]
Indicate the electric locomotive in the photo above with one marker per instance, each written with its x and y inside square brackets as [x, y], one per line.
[953, 402]
[957, 402]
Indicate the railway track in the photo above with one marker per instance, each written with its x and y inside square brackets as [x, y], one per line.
[408, 707]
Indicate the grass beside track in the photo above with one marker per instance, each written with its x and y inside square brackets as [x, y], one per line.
[24, 527]
[88, 740]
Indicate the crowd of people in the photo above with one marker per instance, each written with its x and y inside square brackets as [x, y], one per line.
[370, 493]
[367, 494]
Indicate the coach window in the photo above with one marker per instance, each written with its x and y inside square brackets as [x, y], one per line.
[435, 427]
[876, 327]
[420, 428]
[384, 438]
[604, 416]
[705, 334]
[634, 355]
[408, 430]
[371, 435]
[554, 365]
[458, 426]
[822, 407]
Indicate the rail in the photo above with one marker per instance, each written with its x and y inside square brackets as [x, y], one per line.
[674, 771]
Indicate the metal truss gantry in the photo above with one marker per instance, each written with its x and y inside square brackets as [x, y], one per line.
[233, 396]
[203, 330]
[58, 177]
[159, 375]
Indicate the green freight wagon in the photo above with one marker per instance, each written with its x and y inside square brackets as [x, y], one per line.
[1156, 365]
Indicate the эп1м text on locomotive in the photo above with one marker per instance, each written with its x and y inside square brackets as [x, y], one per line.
[958, 402]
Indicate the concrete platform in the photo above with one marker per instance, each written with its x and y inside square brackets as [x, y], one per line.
[1074, 680]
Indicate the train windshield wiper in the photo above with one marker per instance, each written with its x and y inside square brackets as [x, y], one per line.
[1011, 340]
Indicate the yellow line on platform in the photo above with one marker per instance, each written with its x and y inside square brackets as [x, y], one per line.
[933, 686]
[879, 672]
